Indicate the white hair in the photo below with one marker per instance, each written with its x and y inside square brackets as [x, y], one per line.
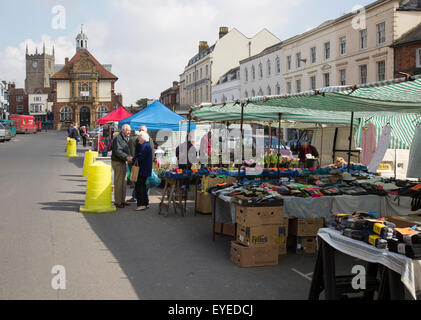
[144, 136]
[125, 127]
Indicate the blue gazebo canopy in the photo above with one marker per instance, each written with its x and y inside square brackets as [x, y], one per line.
[157, 117]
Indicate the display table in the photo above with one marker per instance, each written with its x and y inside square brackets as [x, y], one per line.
[397, 271]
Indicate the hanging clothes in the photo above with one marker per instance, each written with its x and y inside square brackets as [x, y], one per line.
[414, 165]
[368, 143]
[383, 145]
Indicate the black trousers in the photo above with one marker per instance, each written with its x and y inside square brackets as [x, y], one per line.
[84, 141]
[142, 192]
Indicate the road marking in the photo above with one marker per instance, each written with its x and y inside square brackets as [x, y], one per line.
[307, 276]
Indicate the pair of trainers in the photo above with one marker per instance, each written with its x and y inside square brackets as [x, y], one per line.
[142, 208]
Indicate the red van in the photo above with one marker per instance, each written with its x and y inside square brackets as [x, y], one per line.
[24, 124]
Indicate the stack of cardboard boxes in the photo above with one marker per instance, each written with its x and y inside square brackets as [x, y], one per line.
[261, 236]
[303, 234]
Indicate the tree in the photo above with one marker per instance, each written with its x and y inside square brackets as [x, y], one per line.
[142, 103]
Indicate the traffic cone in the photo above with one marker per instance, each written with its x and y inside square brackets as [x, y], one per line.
[71, 148]
[98, 189]
[90, 157]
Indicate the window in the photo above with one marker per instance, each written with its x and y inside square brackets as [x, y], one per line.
[269, 91]
[253, 73]
[342, 77]
[327, 50]
[289, 63]
[381, 33]
[278, 89]
[278, 65]
[289, 87]
[260, 93]
[19, 99]
[313, 54]
[269, 67]
[418, 57]
[260, 70]
[201, 74]
[207, 71]
[207, 92]
[326, 77]
[363, 39]
[37, 99]
[253, 93]
[342, 46]
[246, 94]
[298, 85]
[363, 74]
[246, 76]
[66, 114]
[381, 70]
[298, 60]
[101, 112]
[19, 109]
[313, 83]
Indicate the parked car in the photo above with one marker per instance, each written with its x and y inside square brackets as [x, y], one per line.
[2, 133]
[11, 125]
[8, 133]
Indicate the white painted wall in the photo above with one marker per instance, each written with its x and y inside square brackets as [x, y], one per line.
[104, 91]
[63, 91]
[230, 89]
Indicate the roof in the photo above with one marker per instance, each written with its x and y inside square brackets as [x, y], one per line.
[116, 115]
[18, 91]
[42, 91]
[64, 73]
[413, 35]
[266, 51]
[201, 55]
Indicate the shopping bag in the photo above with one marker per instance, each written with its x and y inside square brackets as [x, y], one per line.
[153, 181]
[134, 173]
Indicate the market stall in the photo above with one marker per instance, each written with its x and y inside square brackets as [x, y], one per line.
[258, 198]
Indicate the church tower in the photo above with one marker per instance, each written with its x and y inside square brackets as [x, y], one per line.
[39, 69]
[81, 40]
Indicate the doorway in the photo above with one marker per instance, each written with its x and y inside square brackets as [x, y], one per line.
[85, 117]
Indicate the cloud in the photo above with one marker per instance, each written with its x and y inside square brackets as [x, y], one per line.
[150, 42]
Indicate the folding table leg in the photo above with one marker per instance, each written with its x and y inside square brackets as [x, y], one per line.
[384, 293]
[396, 287]
[373, 269]
[317, 281]
[329, 274]
[214, 217]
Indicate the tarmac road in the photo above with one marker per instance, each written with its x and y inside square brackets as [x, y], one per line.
[123, 255]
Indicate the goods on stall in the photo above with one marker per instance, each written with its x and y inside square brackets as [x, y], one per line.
[380, 233]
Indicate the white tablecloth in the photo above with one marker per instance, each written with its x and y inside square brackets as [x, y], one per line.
[410, 270]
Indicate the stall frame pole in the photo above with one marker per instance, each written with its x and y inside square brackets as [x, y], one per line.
[241, 140]
[279, 142]
[350, 141]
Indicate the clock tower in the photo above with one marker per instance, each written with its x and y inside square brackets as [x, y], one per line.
[39, 69]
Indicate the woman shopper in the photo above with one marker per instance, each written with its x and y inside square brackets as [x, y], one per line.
[143, 158]
[83, 134]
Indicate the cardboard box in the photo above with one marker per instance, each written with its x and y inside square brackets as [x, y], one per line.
[405, 221]
[261, 236]
[305, 227]
[302, 245]
[283, 249]
[246, 257]
[225, 229]
[203, 203]
[255, 216]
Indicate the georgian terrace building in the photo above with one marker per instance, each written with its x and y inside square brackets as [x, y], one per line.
[347, 51]
[206, 68]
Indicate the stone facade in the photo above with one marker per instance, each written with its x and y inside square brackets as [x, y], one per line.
[39, 69]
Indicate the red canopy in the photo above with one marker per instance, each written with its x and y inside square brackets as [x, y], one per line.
[116, 115]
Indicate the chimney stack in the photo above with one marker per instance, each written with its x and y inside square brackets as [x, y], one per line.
[203, 45]
[66, 61]
[222, 31]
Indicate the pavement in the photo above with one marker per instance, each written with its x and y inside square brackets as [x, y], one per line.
[121, 255]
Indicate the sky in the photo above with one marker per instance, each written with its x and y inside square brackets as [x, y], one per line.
[148, 43]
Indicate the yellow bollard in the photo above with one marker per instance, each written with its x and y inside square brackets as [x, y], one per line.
[71, 148]
[98, 189]
[90, 157]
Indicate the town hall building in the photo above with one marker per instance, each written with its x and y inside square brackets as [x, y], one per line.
[83, 89]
